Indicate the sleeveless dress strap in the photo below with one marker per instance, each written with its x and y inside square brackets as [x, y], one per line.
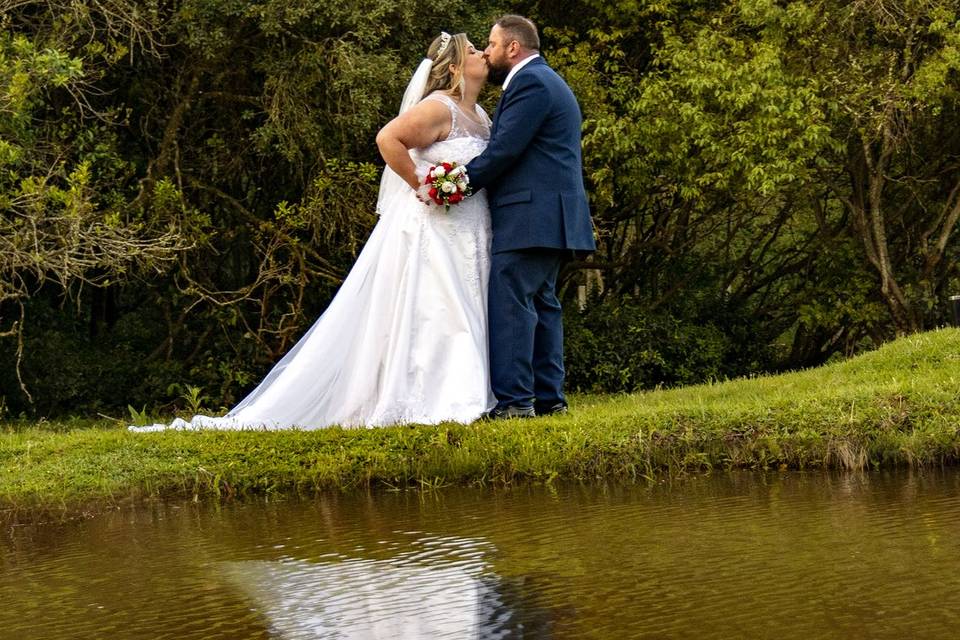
[451, 106]
[483, 114]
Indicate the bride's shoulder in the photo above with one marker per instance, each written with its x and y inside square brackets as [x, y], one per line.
[437, 102]
[431, 109]
[439, 97]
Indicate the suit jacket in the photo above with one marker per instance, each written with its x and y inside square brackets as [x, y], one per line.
[532, 166]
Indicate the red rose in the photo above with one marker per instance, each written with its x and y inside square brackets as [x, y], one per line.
[433, 193]
[455, 198]
[447, 166]
[428, 179]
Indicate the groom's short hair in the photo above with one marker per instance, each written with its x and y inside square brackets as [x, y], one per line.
[520, 29]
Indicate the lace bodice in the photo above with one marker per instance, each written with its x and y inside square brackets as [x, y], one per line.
[468, 135]
[476, 124]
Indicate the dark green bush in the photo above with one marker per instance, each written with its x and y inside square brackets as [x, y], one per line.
[618, 344]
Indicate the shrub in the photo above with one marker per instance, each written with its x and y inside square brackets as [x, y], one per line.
[617, 344]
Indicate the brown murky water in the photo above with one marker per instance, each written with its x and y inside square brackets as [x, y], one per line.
[726, 556]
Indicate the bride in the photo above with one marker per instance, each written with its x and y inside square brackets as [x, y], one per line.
[405, 338]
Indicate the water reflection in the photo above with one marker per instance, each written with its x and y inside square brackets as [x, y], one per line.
[740, 555]
[442, 587]
[357, 599]
[354, 599]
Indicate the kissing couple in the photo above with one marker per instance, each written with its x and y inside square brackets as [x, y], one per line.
[450, 312]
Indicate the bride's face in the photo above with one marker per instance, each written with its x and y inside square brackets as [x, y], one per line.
[474, 67]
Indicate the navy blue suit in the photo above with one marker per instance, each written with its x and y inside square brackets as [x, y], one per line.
[532, 171]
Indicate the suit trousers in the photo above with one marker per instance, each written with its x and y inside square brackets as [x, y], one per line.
[526, 328]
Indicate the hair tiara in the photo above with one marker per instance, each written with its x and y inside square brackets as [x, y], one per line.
[444, 42]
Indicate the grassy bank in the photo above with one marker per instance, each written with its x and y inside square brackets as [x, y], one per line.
[899, 405]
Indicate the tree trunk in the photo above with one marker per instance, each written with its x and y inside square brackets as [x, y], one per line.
[868, 176]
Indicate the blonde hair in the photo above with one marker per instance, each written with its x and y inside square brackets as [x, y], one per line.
[455, 53]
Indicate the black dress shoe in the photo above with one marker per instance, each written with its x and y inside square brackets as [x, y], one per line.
[552, 410]
[505, 413]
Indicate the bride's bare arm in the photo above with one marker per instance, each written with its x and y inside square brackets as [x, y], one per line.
[421, 126]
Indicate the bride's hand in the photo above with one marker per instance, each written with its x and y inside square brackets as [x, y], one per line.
[423, 194]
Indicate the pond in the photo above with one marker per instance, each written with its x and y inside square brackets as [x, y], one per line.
[785, 555]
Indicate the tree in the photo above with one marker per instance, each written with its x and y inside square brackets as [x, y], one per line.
[750, 148]
[62, 220]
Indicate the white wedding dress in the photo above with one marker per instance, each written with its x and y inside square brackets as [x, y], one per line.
[405, 338]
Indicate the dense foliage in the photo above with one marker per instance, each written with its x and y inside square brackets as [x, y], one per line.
[184, 184]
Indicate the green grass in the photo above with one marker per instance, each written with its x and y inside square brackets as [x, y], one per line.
[899, 405]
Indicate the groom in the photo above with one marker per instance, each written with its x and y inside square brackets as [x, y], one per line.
[532, 171]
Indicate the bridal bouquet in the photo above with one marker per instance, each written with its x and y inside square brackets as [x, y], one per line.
[448, 183]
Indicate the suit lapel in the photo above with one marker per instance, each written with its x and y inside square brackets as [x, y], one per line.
[496, 112]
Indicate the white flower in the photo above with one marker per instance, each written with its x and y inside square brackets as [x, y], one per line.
[457, 171]
[449, 187]
[439, 172]
[462, 185]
